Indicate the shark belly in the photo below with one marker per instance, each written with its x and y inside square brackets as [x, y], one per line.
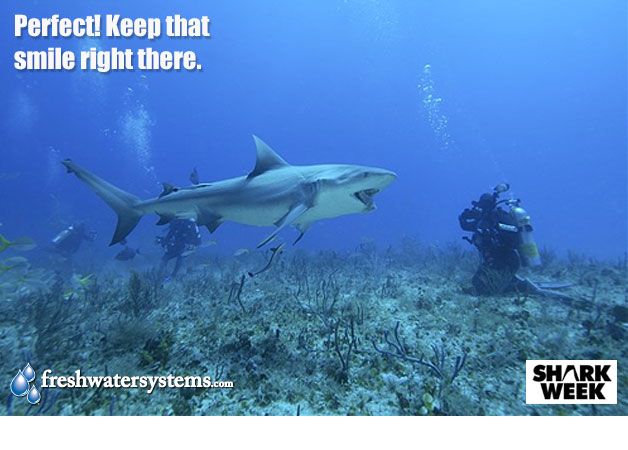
[260, 214]
[328, 206]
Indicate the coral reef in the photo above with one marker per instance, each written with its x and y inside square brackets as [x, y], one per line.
[393, 331]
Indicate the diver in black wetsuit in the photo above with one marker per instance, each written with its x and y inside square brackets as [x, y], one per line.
[68, 241]
[183, 238]
[504, 240]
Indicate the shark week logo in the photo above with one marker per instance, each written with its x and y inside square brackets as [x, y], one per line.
[571, 382]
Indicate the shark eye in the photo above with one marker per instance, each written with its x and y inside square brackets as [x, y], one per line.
[365, 174]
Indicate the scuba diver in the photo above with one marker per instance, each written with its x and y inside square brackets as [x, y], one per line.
[68, 241]
[182, 239]
[505, 242]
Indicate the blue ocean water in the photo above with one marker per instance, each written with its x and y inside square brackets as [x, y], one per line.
[453, 97]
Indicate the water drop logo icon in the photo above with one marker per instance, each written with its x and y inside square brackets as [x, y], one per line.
[28, 372]
[19, 385]
[23, 384]
[33, 396]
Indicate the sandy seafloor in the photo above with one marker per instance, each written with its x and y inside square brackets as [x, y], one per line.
[300, 339]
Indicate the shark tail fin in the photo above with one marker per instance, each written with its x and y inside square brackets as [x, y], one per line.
[123, 203]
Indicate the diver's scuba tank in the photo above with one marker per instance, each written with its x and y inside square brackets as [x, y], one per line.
[528, 250]
[62, 236]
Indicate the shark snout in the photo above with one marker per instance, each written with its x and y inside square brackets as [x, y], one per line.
[389, 176]
[368, 183]
[381, 178]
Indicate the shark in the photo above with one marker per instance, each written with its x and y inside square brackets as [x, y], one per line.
[274, 193]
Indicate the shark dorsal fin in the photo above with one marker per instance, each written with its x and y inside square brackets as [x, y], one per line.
[267, 159]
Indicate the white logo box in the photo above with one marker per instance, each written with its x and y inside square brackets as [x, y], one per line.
[534, 390]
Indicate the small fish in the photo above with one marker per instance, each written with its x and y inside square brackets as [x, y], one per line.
[241, 251]
[81, 282]
[190, 250]
[34, 284]
[13, 263]
[127, 254]
[275, 251]
[194, 176]
[78, 284]
[69, 294]
[22, 244]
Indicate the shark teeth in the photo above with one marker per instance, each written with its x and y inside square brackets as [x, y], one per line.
[366, 196]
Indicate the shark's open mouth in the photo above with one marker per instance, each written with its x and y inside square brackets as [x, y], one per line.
[366, 196]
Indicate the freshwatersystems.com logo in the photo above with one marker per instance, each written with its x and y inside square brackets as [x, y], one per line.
[23, 384]
[575, 382]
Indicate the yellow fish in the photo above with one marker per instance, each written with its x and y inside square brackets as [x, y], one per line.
[81, 282]
[21, 243]
[12, 263]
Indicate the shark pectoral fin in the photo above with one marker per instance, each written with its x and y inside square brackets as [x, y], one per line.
[164, 219]
[267, 240]
[297, 211]
[209, 219]
[266, 160]
[302, 227]
[211, 227]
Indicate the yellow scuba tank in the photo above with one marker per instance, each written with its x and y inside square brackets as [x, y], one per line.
[528, 250]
